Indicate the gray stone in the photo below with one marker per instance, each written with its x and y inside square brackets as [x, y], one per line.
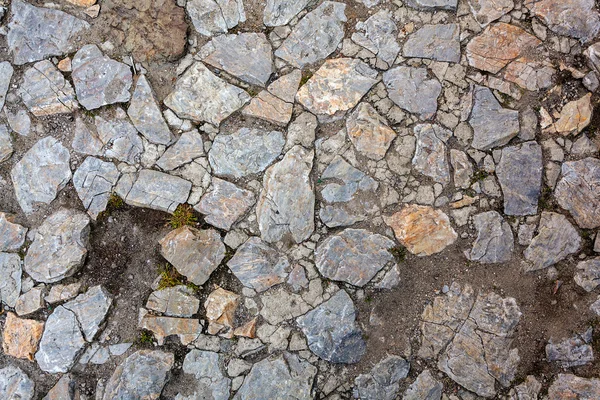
[209, 382]
[99, 80]
[187, 148]
[301, 131]
[412, 90]
[568, 386]
[90, 309]
[528, 390]
[119, 138]
[336, 87]
[248, 56]
[588, 274]
[224, 204]
[211, 17]
[259, 266]
[436, 42]
[59, 246]
[86, 140]
[12, 235]
[493, 125]
[42, 172]
[19, 121]
[281, 12]
[520, 175]
[6, 147]
[577, 191]
[65, 389]
[141, 376]
[556, 239]
[495, 240]
[382, 382]
[279, 305]
[378, 35]
[35, 33]
[93, 181]
[201, 96]
[45, 91]
[462, 167]
[425, 387]
[287, 201]
[6, 73]
[194, 253]
[316, 36]
[430, 153]
[59, 293]
[368, 131]
[528, 122]
[245, 152]
[433, 4]
[15, 384]
[146, 115]
[584, 146]
[30, 301]
[284, 377]
[10, 285]
[61, 342]
[487, 11]
[575, 18]
[571, 352]
[331, 330]
[153, 189]
[354, 256]
[177, 301]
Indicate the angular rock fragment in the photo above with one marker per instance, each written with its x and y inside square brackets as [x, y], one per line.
[59, 293]
[42, 172]
[368, 131]
[36, 33]
[281, 12]
[433, 4]
[45, 91]
[65, 389]
[189, 147]
[90, 309]
[382, 382]
[577, 191]
[462, 167]
[575, 18]
[336, 87]
[286, 376]
[154, 190]
[99, 80]
[21, 336]
[436, 42]
[587, 274]
[495, 240]
[12, 235]
[146, 114]
[15, 384]
[187, 329]
[30, 301]
[194, 253]
[422, 229]
[571, 352]
[247, 56]
[568, 386]
[277, 102]
[287, 201]
[520, 175]
[6, 147]
[211, 17]
[412, 90]
[378, 35]
[245, 152]
[220, 310]
[425, 387]
[493, 125]
[331, 330]
[316, 36]
[201, 96]
[259, 266]
[147, 366]
[19, 122]
[119, 138]
[430, 153]
[528, 390]
[487, 11]
[93, 181]
[10, 285]
[209, 382]
[6, 73]
[556, 239]
[575, 116]
[224, 204]
[279, 305]
[354, 256]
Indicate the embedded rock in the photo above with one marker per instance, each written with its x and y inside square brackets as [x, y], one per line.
[10, 285]
[575, 18]
[575, 116]
[15, 384]
[436, 42]
[21, 336]
[146, 114]
[568, 386]
[412, 90]
[487, 11]
[577, 191]
[6, 73]
[177, 301]
[119, 138]
[430, 153]
[378, 35]
[382, 382]
[571, 352]
[220, 308]
[12, 235]
[493, 125]
[6, 147]
[368, 131]
[209, 382]
[211, 17]
[281, 12]
[430, 5]
[588, 274]
[45, 91]
[186, 329]
[462, 167]
[93, 181]
[90, 309]
[528, 390]
[188, 147]
[224, 204]
[495, 240]
[425, 387]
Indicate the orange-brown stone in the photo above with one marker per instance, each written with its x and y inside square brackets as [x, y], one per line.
[21, 336]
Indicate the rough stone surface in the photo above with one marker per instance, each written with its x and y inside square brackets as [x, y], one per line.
[577, 191]
[495, 240]
[99, 80]
[574, 117]
[382, 382]
[209, 381]
[331, 330]
[316, 36]
[422, 229]
[194, 253]
[12, 235]
[201, 96]
[281, 12]
[286, 203]
[425, 387]
[220, 308]
[59, 246]
[568, 386]
[556, 239]
[147, 366]
[177, 301]
[430, 157]
[42, 172]
[336, 87]
[487, 11]
[493, 125]
[21, 336]
[10, 285]
[436, 42]
[6, 73]
[146, 114]
[245, 152]
[186, 329]
[93, 181]
[224, 204]
[211, 17]
[520, 175]
[571, 352]
[587, 274]
[354, 256]
[90, 309]
[378, 35]
[119, 138]
[433, 4]
[36, 33]
[6, 146]
[15, 384]
[259, 266]
[412, 90]
[575, 18]
[189, 147]
[45, 91]
[368, 131]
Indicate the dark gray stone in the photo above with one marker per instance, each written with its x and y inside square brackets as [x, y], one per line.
[492, 124]
[495, 240]
[587, 274]
[571, 352]
[436, 42]
[382, 382]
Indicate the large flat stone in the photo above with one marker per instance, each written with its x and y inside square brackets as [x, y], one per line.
[575, 18]
[495, 240]
[412, 90]
[146, 114]
[12, 235]
[45, 91]
[90, 309]
[436, 42]
[577, 191]
[21, 336]
[493, 125]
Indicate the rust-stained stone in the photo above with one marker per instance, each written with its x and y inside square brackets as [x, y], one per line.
[568, 386]
[21, 336]
[423, 230]
[220, 310]
[575, 116]
[270, 108]
[247, 330]
[188, 329]
[83, 3]
[575, 18]
[225, 203]
[529, 73]
[368, 131]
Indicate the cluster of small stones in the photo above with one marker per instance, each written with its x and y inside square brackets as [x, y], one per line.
[438, 143]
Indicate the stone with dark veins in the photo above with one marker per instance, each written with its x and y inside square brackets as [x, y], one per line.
[224, 204]
[316, 36]
[93, 181]
[430, 157]
[577, 191]
[36, 33]
[412, 90]
[495, 240]
[153, 189]
[146, 114]
[437, 42]
[575, 18]
[378, 35]
[281, 12]
[258, 265]
[211, 17]
[332, 332]
[493, 125]
[45, 91]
